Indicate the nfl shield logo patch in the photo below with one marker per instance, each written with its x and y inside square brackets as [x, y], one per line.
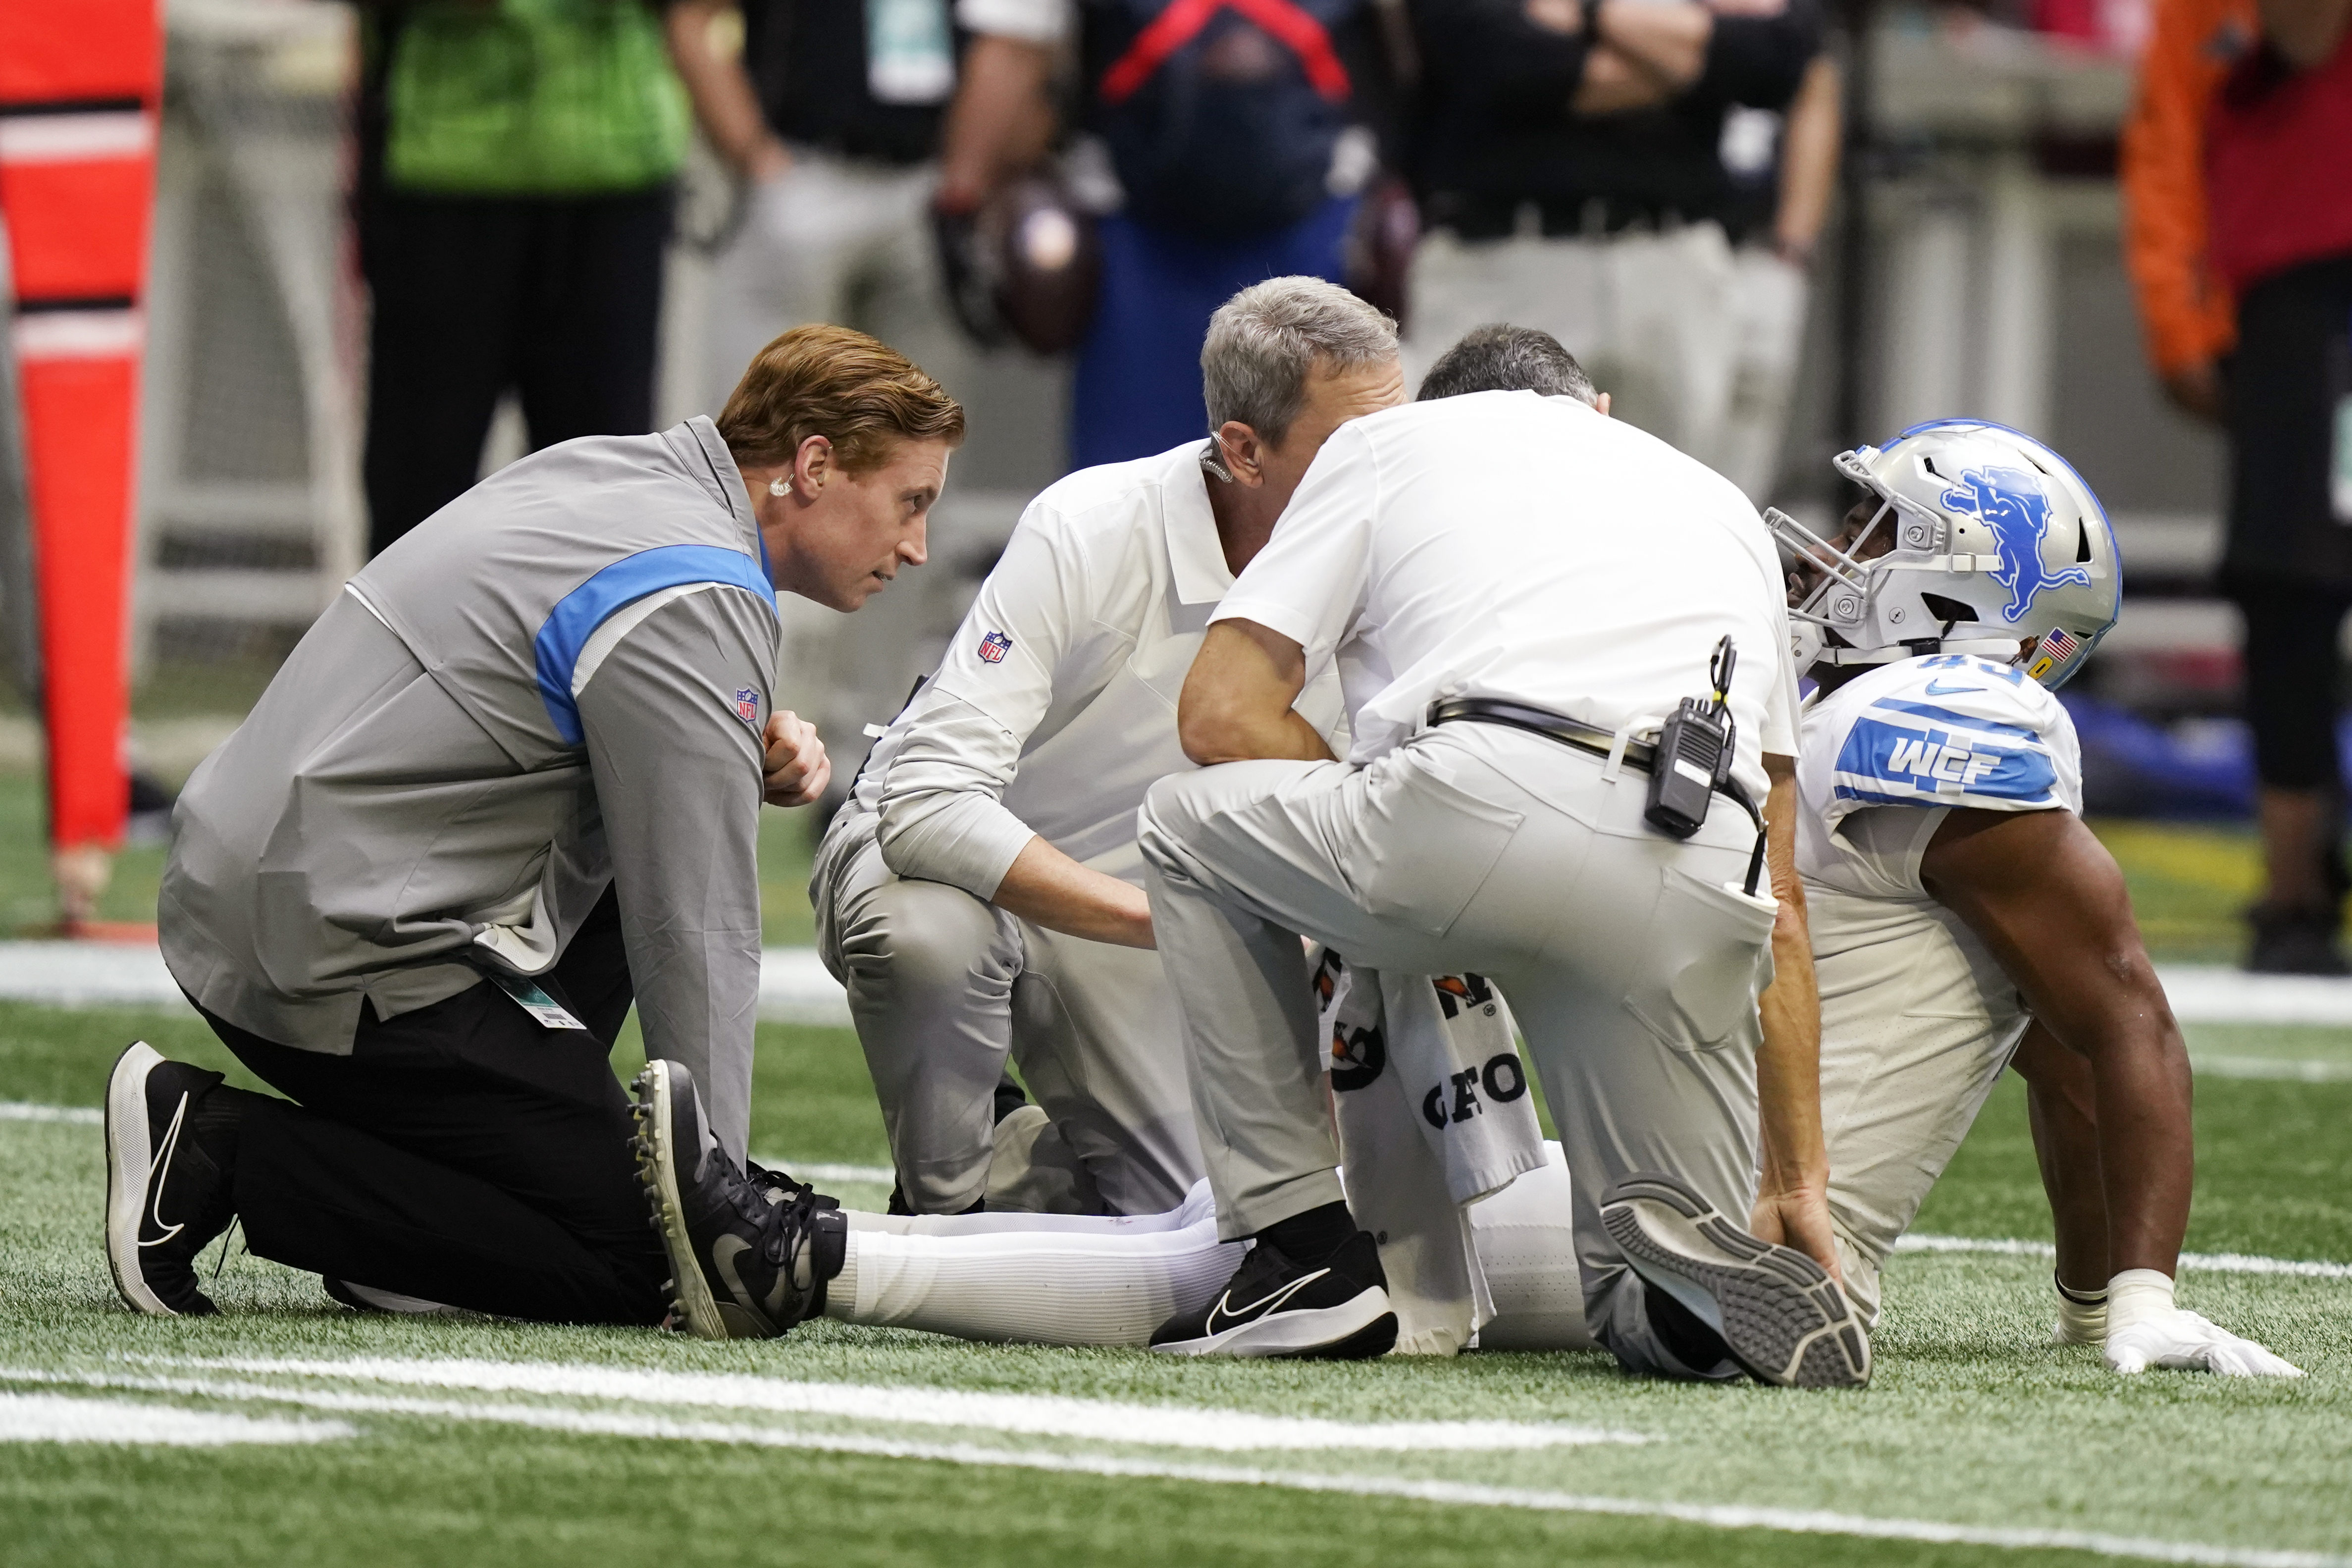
[747, 705]
[992, 647]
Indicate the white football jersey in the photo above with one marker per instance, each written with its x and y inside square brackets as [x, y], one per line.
[1951, 729]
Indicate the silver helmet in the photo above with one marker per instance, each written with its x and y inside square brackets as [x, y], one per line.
[1997, 543]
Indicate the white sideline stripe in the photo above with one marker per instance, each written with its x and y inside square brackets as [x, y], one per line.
[873, 1176]
[795, 988]
[2208, 1262]
[1028, 1415]
[2269, 1067]
[1717, 1516]
[793, 985]
[56, 1418]
[23, 1111]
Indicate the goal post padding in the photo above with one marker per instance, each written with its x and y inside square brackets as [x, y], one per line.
[79, 97]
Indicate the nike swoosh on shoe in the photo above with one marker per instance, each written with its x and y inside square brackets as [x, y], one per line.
[723, 1254]
[1260, 1307]
[163, 1174]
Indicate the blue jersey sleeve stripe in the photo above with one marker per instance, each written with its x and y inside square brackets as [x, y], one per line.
[1953, 716]
[576, 617]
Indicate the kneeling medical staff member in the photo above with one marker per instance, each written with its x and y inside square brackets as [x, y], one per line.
[982, 892]
[510, 780]
[1523, 564]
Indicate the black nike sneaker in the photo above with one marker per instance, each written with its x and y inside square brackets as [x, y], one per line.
[1776, 1311]
[165, 1195]
[1336, 1310]
[749, 1254]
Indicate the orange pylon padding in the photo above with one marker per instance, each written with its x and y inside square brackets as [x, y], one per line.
[79, 89]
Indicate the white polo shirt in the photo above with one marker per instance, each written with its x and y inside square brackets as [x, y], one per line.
[1507, 545]
[1054, 709]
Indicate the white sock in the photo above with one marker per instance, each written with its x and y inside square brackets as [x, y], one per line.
[1032, 1287]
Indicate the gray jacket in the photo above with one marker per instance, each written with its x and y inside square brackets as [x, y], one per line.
[555, 683]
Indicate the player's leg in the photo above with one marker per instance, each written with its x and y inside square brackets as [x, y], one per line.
[1525, 1242]
[930, 971]
[1034, 1279]
[1909, 1053]
[1094, 1031]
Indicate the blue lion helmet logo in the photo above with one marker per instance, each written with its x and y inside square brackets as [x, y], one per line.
[2010, 502]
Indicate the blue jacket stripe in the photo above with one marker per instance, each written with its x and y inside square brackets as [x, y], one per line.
[578, 613]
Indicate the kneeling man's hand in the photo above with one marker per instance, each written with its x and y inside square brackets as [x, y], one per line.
[797, 769]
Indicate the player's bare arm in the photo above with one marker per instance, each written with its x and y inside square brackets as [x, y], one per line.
[2062, 1110]
[1793, 1196]
[2048, 899]
[1237, 699]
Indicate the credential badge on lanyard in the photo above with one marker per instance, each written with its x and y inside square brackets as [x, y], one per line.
[909, 54]
[531, 999]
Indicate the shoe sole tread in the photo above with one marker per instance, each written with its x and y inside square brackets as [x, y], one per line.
[1784, 1319]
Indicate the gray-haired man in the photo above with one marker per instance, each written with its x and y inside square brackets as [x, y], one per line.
[982, 891]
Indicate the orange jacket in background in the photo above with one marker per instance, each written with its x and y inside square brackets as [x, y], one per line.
[2186, 311]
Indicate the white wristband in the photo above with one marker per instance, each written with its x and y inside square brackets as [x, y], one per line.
[2136, 1296]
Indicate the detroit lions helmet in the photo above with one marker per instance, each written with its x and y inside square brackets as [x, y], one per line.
[1995, 540]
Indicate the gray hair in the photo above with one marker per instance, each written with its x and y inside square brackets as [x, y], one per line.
[1503, 358]
[1264, 341]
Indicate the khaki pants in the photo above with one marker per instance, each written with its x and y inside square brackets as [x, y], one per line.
[1917, 1021]
[942, 987]
[1653, 318]
[1631, 961]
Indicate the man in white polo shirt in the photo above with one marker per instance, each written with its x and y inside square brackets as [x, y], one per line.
[1514, 591]
[982, 892]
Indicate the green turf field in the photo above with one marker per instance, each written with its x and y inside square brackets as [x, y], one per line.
[1978, 1442]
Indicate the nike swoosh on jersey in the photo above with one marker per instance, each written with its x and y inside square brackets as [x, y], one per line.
[1260, 1307]
[163, 1174]
[1936, 690]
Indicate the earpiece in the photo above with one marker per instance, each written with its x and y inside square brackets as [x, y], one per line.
[780, 487]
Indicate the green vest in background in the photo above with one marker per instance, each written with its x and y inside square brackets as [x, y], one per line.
[532, 98]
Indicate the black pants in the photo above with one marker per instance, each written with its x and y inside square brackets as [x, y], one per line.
[461, 1152]
[2290, 663]
[557, 297]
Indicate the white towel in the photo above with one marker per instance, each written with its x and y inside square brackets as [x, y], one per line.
[1430, 1096]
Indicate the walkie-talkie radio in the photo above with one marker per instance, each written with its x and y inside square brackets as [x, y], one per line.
[1694, 753]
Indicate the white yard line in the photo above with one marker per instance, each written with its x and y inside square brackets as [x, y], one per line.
[1028, 1414]
[1717, 1516]
[58, 1418]
[2208, 1262]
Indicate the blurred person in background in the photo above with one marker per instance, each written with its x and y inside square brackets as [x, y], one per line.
[2238, 229]
[828, 114]
[1784, 169]
[516, 160]
[1233, 141]
[1571, 166]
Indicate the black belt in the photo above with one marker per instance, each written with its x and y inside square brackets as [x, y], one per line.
[1584, 737]
[1541, 722]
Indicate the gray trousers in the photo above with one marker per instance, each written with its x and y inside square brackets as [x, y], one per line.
[1631, 961]
[942, 987]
